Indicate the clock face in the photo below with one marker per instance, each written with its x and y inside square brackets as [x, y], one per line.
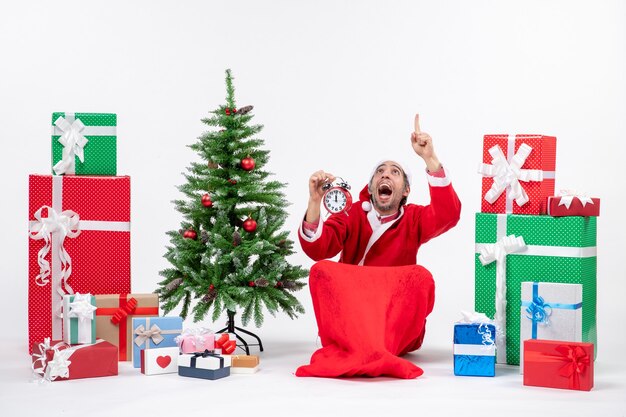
[335, 200]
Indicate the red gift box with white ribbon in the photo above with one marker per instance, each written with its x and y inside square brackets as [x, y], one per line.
[558, 364]
[572, 203]
[58, 361]
[518, 173]
[79, 243]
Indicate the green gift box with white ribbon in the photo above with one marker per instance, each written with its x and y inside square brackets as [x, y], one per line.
[79, 324]
[514, 248]
[84, 143]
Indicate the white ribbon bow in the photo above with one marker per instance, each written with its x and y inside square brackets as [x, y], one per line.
[65, 224]
[473, 317]
[143, 335]
[58, 367]
[198, 336]
[82, 308]
[73, 143]
[508, 175]
[497, 252]
[567, 196]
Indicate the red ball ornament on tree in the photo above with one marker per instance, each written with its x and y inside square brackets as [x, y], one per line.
[249, 225]
[190, 234]
[247, 163]
[251, 284]
[211, 286]
[232, 181]
[206, 201]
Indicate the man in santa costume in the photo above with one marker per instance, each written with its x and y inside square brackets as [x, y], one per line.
[380, 230]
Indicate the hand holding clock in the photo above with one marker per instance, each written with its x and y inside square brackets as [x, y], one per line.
[316, 193]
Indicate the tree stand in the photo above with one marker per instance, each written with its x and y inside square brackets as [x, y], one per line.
[230, 328]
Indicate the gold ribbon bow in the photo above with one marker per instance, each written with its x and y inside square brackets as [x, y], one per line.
[144, 335]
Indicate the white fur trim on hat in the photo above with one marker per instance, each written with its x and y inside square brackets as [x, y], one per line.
[405, 167]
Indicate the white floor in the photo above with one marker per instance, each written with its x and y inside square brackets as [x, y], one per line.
[275, 391]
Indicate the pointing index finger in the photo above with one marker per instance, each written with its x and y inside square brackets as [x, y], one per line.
[417, 123]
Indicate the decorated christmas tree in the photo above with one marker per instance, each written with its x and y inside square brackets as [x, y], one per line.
[230, 254]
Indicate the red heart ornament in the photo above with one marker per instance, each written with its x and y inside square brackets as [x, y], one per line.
[163, 361]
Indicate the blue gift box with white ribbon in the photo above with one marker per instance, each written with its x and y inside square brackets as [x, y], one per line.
[550, 311]
[474, 349]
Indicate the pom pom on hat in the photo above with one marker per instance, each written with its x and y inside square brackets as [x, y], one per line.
[366, 206]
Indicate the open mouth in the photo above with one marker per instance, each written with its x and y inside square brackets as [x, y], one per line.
[384, 191]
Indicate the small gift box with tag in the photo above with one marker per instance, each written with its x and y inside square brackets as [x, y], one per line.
[558, 364]
[193, 340]
[159, 361]
[206, 365]
[154, 332]
[79, 324]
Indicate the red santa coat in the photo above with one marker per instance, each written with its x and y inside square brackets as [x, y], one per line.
[393, 244]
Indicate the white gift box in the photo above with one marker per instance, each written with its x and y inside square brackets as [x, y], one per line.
[550, 311]
[159, 361]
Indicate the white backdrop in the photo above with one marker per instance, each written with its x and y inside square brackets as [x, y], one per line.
[336, 84]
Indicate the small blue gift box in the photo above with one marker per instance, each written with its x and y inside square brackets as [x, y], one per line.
[154, 332]
[474, 349]
[205, 365]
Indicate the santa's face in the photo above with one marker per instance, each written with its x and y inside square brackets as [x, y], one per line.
[388, 187]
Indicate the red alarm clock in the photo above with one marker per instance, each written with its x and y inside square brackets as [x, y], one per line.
[337, 197]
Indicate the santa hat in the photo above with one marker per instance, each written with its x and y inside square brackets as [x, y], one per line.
[402, 164]
[365, 193]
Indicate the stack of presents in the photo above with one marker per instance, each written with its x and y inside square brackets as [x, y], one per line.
[535, 271]
[82, 315]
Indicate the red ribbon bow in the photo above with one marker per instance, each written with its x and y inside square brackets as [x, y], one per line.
[123, 312]
[576, 361]
[228, 346]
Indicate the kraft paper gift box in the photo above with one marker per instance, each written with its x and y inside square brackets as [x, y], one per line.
[197, 339]
[205, 365]
[474, 349]
[84, 143]
[573, 205]
[79, 319]
[159, 361]
[115, 314]
[79, 243]
[57, 361]
[551, 311]
[518, 173]
[243, 364]
[513, 248]
[558, 364]
[154, 332]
